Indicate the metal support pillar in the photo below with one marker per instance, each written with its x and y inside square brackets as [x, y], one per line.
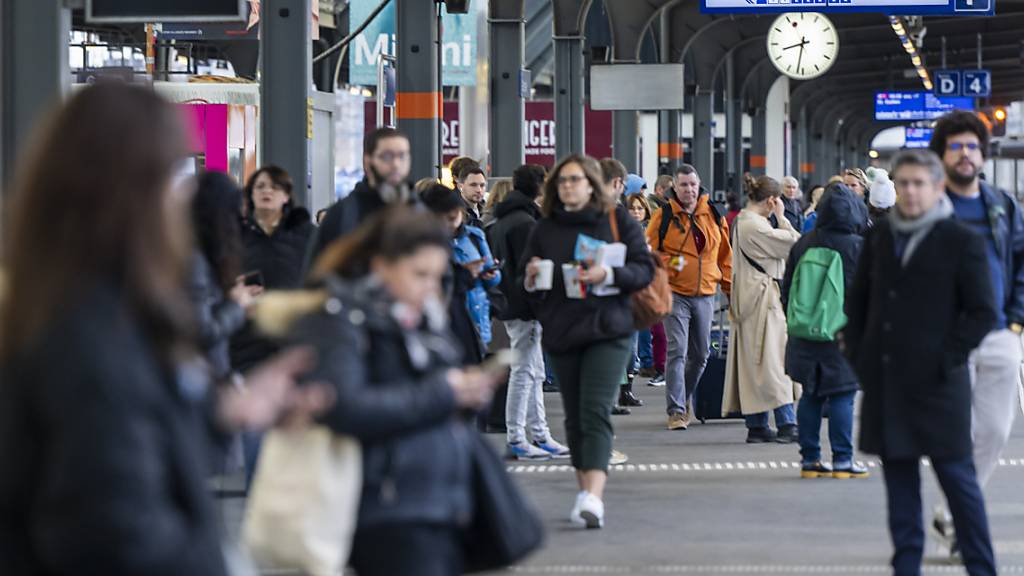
[507, 108]
[759, 143]
[733, 129]
[33, 71]
[704, 137]
[418, 102]
[624, 138]
[670, 142]
[569, 128]
[286, 105]
[804, 168]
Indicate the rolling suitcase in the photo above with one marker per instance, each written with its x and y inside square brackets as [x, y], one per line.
[707, 398]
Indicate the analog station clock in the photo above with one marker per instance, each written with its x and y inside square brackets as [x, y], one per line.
[803, 45]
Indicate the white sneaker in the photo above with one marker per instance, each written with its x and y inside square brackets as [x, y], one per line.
[592, 511]
[574, 515]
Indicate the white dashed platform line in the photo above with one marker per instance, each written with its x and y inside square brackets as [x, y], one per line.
[743, 569]
[725, 467]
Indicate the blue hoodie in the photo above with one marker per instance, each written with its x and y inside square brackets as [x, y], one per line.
[470, 245]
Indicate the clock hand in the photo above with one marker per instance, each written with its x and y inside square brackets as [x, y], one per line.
[800, 57]
[803, 42]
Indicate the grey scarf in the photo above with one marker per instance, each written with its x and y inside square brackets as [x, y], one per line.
[919, 227]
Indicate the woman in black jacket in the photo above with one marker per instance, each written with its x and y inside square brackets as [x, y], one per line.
[586, 314]
[105, 407]
[820, 367]
[219, 295]
[275, 234]
[379, 328]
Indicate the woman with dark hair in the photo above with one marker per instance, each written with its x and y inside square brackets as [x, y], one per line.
[380, 330]
[106, 409]
[755, 375]
[218, 292]
[585, 313]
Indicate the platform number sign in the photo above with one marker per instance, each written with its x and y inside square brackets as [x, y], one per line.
[947, 82]
[977, 83]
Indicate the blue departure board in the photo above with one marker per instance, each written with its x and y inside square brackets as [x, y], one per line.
[917, 105]
[915, 137]
[912, 7]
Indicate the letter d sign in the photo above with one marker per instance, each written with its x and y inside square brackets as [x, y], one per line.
[947, 83]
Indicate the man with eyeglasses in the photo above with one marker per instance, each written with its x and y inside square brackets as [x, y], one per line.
[387, 160]
[961, 140]
[693, 241]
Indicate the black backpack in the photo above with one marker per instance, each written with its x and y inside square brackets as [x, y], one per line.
[668, 216]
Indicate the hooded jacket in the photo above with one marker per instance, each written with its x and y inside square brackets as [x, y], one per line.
[470, 245]
[820, 366]
[516, 217]
[703, 269]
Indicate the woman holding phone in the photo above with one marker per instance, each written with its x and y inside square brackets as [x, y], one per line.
[380, 332]
[584, 308]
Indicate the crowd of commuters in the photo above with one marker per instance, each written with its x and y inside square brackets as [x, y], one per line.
[906, 286]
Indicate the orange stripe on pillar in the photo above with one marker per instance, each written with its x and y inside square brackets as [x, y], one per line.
[418, 105]
[671, 150]
[758, 161]
[807, 168]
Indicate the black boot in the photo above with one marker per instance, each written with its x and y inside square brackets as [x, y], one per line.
[627, 397]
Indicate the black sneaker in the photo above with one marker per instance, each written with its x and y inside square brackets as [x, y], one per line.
[787, 434]
[816, 470]
[620, 411]
[628, 398]
[851, 471]
[550, 386]
[760, 435]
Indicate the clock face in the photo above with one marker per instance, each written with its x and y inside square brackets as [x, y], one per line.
[803, 45]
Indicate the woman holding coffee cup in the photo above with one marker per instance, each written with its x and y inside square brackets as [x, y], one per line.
[584, 308]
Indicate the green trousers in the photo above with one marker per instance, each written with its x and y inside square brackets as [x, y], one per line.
[589, 381]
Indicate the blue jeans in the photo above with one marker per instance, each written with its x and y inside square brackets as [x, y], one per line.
[960, 485]
[840, 427]
[645, 348]
[549, 372]
[784, 416]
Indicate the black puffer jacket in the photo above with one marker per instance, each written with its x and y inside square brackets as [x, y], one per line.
[105, 453]
[571, 324]
[279, 258]
[393, 395]
[820, 366]
[515, 217]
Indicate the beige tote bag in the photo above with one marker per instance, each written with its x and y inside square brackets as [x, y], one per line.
[302, 509]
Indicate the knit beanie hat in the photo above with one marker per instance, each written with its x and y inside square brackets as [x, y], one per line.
[882, 190]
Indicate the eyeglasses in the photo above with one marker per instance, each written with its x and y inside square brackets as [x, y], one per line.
[391, 156]
[573, 179]
[958, 146]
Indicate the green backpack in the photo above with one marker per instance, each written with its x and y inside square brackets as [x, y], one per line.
[816, 296]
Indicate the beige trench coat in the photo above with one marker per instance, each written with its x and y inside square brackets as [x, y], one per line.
[755, 372]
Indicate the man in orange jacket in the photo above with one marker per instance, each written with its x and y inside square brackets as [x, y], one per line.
[693, 241]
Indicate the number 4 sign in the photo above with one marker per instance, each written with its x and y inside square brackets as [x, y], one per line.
[977, 83]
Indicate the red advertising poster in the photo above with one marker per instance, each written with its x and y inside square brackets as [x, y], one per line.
[538, 131]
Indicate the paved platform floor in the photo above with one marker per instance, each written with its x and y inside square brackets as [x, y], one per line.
[702, 501]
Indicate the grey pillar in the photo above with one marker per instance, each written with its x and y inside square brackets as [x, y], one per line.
[569, 128]
[285, 105]
[733, 128]
[34, 72]
[418, 100]
[670, 141]
[624, 137]
[759, 143]
[803, 159]
[704, 137]
[507, 111]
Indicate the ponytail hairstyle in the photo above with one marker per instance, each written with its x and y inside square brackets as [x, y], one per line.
[392, 234]
[761, 188]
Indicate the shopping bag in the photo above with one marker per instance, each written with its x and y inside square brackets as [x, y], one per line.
[304, 502]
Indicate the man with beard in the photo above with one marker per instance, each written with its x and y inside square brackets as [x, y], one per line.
[961, 140]
[387, 160]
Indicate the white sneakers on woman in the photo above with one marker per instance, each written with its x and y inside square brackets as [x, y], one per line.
[588, 511]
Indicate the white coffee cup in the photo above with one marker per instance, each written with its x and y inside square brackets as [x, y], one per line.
[545, 275]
